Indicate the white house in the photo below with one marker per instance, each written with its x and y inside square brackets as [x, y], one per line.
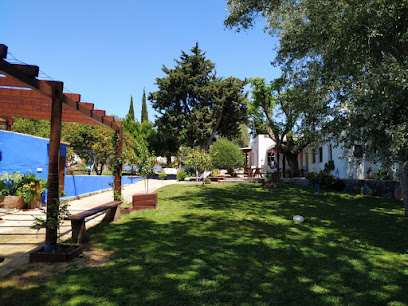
[312, 159]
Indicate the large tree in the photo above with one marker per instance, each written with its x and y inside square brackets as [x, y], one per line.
[289, 114]
[359, 52]
[194, 105]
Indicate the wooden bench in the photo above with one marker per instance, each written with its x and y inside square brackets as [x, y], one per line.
[78, 220]
[144, 201]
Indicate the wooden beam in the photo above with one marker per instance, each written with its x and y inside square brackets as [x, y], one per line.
[54, 158]
[18, 75]
[118, 169]
[3, 51]
[29, 69]
[5, 81]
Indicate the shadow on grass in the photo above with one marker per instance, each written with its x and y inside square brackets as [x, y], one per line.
[238, 244]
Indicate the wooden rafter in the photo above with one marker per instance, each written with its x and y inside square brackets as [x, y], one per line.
[23, 95]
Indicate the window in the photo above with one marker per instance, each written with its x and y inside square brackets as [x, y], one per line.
[330, 152]
[358, 151]
[320, 154]
[314, 156]
[271, 159]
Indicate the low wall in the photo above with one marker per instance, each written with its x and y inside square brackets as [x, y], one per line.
[385, 189]
[76, 185]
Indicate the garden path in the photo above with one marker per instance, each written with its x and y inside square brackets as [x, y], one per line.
[17, 238]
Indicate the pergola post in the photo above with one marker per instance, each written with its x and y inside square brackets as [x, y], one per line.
[54, 157]
[118, 169]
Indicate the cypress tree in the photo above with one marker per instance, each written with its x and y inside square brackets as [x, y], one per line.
[145, 115]
[131, 113]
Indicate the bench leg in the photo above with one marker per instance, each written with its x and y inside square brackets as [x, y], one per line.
[79, 231]
[112, 214]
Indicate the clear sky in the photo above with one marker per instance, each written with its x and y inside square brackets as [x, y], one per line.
[109, 50]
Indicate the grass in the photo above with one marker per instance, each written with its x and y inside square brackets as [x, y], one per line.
[237, 244]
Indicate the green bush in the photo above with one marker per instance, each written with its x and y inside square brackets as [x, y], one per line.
[226, 154]
[181, 175]
[216, 172]
[383, 175]
[312, 177]
[330, 181]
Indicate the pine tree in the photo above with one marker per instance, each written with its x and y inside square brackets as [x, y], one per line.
[194, 104]
[131, 115]
[145, 115]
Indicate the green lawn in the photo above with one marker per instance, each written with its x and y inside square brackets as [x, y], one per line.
[237, 244]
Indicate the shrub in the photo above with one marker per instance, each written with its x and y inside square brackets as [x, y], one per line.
[216, 172]
[226, 154]
[312, 177]
[181, 175]
[329, 166]
[383, 175]
[330, 181]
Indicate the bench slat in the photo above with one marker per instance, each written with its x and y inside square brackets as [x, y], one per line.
[94, 210]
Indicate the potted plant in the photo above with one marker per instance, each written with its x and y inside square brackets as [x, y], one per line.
[162, 176]
[54, 252]
[287, 173]
[19, 190]
[207, 181]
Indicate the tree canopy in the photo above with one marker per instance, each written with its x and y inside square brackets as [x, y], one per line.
[358, 50]
[289, 115]
[194, 104]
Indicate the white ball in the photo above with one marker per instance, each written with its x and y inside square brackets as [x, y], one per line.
[298, 218]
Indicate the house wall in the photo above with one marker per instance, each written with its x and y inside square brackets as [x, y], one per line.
[260, 146]
[344, 165]
[25, 153]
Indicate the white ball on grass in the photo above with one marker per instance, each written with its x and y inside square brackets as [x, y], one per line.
[298, 218]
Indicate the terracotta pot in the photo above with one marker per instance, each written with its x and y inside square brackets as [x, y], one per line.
[13, 202]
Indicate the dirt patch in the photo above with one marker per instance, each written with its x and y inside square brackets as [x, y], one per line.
[29, 272]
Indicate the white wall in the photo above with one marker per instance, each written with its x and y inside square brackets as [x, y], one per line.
[345, 166]
[260, 146]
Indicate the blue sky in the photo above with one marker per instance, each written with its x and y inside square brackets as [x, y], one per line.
[109, 50]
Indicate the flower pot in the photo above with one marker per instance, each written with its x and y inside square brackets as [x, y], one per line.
[13, 202]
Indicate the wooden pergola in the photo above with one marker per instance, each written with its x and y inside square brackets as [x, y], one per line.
[23, 95]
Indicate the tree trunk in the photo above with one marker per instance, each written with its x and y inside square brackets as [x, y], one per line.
[168, 160]
[404, 185]
[293, 163]
[98, 169]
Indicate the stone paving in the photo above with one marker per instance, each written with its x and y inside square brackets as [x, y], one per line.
[17, 238]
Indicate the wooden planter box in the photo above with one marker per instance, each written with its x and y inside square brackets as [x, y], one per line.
[67, 252]
[37, 201]
[144, 201]
[126, 211]
[217, 179]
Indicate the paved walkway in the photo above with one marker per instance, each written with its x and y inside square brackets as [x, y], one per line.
[17, 238]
